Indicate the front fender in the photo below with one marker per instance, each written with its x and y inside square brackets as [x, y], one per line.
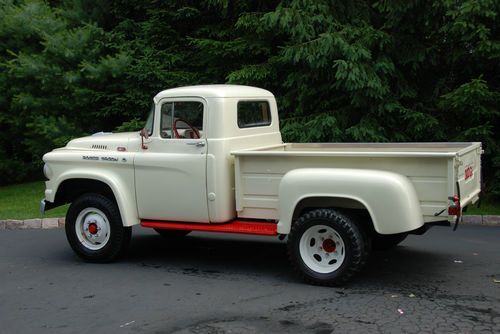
[390, 198]
[120, 178]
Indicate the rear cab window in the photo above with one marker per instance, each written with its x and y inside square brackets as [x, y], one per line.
[253, 114]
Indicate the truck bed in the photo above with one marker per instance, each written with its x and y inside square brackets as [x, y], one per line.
[433, 168]
[363, 149]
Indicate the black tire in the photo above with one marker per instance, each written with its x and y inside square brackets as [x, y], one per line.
[119, 236]
[354, 240]
[172, 234]
[387, 241]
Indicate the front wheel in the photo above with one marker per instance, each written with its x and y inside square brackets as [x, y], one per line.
[326, 247]
[94, 229]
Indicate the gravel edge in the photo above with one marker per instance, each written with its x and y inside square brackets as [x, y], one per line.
[51, 223]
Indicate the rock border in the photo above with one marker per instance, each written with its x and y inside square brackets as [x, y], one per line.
[481, 220]
[31, 224]
[51, 223]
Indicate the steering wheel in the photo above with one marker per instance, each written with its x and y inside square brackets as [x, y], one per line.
[195, 132]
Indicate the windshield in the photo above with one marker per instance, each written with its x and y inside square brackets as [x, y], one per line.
[149, 121]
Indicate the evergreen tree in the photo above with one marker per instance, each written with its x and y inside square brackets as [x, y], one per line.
[342, 71]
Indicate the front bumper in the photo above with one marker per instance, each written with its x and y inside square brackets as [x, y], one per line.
[44, 206]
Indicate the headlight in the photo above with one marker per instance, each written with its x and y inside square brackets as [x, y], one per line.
[47, 171]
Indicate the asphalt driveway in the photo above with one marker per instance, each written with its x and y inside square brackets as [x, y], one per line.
[441, 282]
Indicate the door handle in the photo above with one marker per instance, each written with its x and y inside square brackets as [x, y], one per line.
[197, 144]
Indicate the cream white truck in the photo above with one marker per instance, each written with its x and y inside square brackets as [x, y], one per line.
[211, 158]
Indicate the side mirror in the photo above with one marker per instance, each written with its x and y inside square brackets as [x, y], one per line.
[144, 135]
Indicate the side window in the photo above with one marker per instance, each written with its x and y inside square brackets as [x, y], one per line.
[253, 114]
[166, 120]
[181, 120]
[150, 121]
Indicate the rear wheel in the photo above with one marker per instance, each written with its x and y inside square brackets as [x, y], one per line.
[94, 229]
[326, 247]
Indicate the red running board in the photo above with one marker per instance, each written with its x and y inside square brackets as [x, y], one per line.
[234, 226]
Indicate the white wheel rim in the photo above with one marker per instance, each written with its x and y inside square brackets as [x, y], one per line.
[322, 249]
[92, 228]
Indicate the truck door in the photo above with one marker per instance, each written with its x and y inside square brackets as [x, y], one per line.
[170, 175]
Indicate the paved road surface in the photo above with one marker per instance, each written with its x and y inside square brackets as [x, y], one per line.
[440, 282]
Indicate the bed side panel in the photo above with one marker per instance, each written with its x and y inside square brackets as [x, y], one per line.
[259, 177]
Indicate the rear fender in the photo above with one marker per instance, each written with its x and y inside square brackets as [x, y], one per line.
[389, 198]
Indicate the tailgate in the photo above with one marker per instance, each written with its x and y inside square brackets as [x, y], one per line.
[468, 173]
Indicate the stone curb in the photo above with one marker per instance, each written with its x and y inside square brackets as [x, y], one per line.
[482, 220]
[30, 224]
[51, 223]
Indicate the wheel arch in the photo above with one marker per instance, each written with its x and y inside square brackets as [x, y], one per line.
[72, 188]
[351, 205]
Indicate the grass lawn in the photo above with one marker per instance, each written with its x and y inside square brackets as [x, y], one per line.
[22, 201]
[486, 208]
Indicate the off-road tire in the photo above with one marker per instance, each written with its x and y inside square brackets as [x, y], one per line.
[355, 243]
[119, 236]
[382, 242]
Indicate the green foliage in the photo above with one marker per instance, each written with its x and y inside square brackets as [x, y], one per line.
[54, 76]
[341, 70]
[132, 125]
[311, 129]
[383, 71]
[50, 131]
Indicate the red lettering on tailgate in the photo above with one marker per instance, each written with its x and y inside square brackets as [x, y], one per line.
[469, 172]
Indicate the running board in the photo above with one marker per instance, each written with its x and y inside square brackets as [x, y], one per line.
[234, 226]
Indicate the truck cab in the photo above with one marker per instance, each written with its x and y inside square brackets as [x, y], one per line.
[181, 168]
[187, 173]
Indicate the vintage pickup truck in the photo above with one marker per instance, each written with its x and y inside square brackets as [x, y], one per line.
[211, 158]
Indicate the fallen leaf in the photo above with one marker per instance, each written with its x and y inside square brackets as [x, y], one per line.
[127, 323]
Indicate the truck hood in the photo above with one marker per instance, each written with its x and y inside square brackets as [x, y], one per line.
[104, 141]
